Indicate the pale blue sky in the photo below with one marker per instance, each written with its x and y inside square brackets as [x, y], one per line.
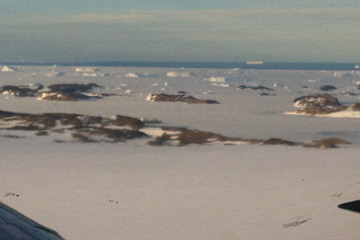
[179, 30]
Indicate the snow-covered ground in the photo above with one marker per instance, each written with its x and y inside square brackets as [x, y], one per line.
[132, 190]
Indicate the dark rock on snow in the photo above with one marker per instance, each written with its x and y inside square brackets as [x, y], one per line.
[83, 128]
[256, 88]
[317, 101]
[69, 92]
[56, 92]
[327, 88]
[326, 143]
[119, 128]
[72, 87]
[321, 104]
[178, 98]
[19, 91]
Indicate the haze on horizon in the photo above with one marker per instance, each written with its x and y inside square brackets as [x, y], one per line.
[159, 30]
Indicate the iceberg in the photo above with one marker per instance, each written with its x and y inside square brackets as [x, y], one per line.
[8, 69]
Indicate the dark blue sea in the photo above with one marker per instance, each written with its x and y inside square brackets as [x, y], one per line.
[224, 65]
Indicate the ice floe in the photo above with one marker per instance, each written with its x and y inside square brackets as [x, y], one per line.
[180, 74]
[86, 69]
[216, 79]
[131, 75]
[89, 74]
[55, 74]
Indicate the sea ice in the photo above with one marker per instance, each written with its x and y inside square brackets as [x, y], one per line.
[55, 74]
[89, 74]
[86, 69]
[215, 79]
[131, 75]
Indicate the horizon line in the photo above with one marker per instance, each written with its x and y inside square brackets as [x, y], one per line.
[202, 64]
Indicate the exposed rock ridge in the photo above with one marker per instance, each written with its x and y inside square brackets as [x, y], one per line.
[162, 97]
[324, 105]
[83, 128]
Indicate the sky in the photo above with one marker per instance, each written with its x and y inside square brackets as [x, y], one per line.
[71, 31]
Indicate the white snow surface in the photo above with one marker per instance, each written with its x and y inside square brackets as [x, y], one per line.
[341, 114]
[134, 191]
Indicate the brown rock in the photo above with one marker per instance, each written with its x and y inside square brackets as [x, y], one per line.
[327, 88]
[160, 141]
[317, 101]
[18, 91]
[72, 87]
[279, 141]
[116, 135]
[82, 127]
[199, 137]
[178, 98]
[355, 107]
[326, 143]
[118, 120]
[256, 88]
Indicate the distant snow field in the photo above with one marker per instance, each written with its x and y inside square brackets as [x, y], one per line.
[252, 166]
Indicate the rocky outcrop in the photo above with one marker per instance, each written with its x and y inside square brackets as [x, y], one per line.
[20, 91]
[324, 105]
[72, 87]
[355, 107]
[82, 128]
[119, 120]
[325, 88]
[92, 129]
[183, 136]
[317, 101]
[55, 92]
[318, 104]
[326, 143]
[256, 88]
[107, 135]
[69, 92]
[178, 98]
[278, 141]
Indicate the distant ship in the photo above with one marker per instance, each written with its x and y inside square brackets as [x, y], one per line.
[254, 62]
[357, 66]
